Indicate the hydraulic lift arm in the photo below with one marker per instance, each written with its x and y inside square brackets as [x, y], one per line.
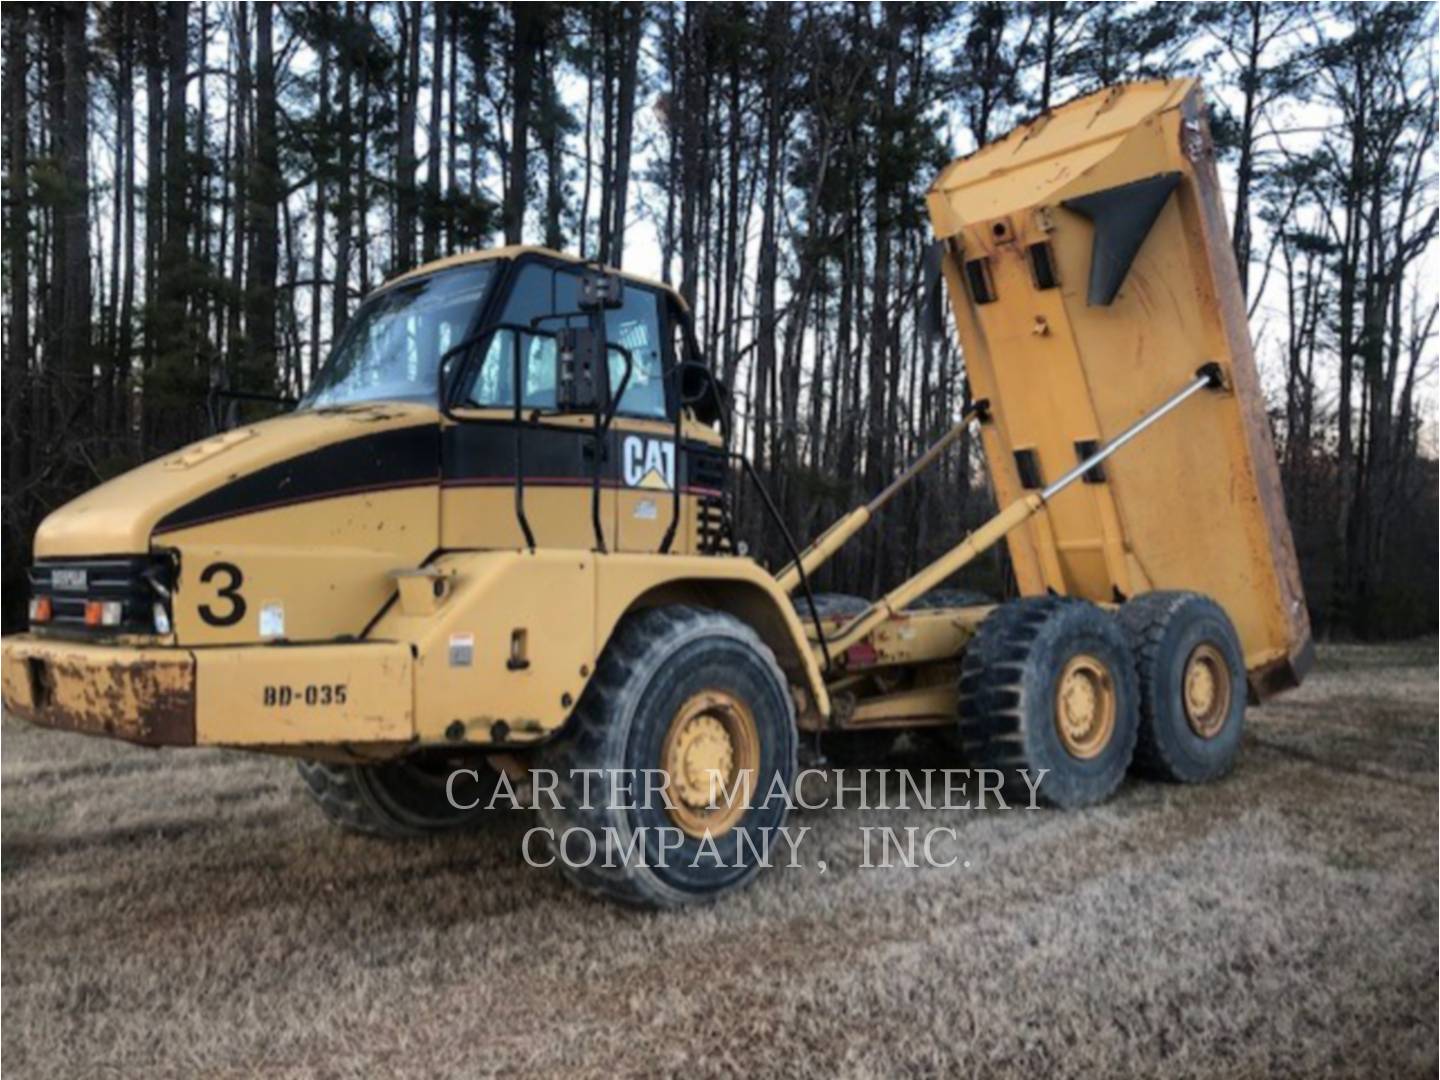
[999, 526]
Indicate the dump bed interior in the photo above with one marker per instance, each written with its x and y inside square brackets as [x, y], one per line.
[1090, 272]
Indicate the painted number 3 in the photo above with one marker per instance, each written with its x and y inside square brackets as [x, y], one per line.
[229, 592]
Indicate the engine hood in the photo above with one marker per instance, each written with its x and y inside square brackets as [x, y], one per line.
[120, 516]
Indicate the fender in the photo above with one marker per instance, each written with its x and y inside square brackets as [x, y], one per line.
[505, 642]
[738, 586]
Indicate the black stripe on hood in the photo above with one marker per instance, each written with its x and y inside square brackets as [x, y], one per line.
[400, 457]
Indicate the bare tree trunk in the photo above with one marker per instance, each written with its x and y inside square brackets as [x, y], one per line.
[452, 24]
[411, 20]
[1047, 53]
[430, 223]
[1245, 170]
[589, 147]
[154, 187]
[551, 142]
[362, 209]
[17, 355]
[262, 352]
[878, 376]
[124, 329]
[322, 190]
[671, 44]
[529, 33]
[344, 206]
[687, 124]
[241, 168]
[73, 234]
[607, 129]
[634, 22]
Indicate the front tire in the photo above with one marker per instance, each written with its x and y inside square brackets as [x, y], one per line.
[1048, 683]
[694, 693]
[1192, 686]
[394, 799]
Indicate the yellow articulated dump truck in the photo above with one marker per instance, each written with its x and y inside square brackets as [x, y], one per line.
[495, 537]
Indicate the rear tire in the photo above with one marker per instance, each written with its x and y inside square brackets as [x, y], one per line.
[1192, 686]
[402, 798]
[675, 684]
[1049, 683]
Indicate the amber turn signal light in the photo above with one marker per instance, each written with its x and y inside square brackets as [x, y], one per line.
[102, 613]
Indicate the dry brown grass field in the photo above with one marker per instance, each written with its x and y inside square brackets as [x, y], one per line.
[179, 914]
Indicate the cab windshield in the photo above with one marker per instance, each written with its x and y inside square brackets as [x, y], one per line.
[393, 345]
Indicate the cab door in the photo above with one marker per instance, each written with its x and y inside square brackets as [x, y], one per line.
[502, 478]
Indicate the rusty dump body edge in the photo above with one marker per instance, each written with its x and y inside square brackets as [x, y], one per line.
[1090, 272]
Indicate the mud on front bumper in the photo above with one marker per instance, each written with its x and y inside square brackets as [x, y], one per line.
[264, 696]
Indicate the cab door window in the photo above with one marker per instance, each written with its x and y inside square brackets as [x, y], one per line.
[538, 291]
[551, 295]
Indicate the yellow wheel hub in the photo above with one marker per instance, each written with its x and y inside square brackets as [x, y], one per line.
[1207, 691]
[702, 760]
[1085, 707]
[710, 756]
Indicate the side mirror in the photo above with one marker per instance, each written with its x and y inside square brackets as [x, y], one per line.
[701, 392]
[580, 375]
[600, 291]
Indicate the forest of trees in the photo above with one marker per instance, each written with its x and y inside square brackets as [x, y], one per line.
[197, 196]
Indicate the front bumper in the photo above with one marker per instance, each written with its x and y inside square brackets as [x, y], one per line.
[143, 695]
[260, 697]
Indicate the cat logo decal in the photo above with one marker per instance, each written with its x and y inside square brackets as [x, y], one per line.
[648, 463]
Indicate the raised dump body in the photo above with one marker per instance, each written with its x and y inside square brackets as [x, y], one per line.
[1090, 272]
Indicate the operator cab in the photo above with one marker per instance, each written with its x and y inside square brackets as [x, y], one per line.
[508, 344]
[394, 344]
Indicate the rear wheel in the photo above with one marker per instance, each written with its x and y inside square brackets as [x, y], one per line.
[1192, 686]
[406, 797]
[698, 695]
[1048, 683]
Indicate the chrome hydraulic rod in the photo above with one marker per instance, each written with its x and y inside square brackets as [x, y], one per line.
[835, 537]
[1008, 519]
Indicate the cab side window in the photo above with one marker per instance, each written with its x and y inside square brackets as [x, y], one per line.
[636, 327]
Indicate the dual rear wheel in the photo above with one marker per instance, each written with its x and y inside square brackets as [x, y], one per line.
[1073, 696]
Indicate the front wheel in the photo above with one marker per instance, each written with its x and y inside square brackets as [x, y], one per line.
[667, 777]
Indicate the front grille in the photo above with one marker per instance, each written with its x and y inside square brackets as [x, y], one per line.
[136, 581]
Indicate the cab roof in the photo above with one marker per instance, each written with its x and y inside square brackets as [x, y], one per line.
[512, 251]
